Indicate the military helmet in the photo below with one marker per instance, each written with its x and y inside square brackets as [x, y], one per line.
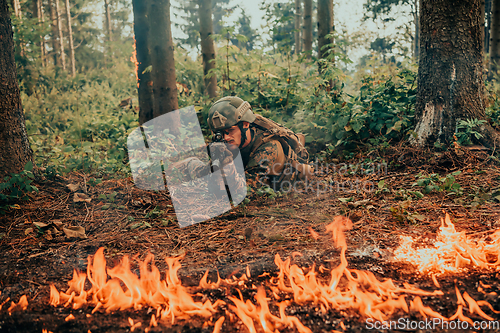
[229, 111]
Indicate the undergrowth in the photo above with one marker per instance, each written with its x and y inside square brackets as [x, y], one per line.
[77, 124]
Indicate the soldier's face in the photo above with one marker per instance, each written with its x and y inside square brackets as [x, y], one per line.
[233, 135]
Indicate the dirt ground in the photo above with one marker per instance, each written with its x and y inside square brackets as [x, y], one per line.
[135, 222]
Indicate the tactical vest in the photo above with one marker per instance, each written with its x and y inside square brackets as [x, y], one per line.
[296, 154]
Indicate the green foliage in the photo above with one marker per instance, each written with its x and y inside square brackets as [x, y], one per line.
[377, 8]
[465, 131]
[108, 197]
[154, 213]
[17, 186]
[402, 214]
[190, 23]
[280, 24]
[434, 182]
[77, 124]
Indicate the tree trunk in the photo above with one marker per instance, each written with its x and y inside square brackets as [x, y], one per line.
[325, 27]
[53, 25]
[487, 27]
[143, 57]
[15, 150]
[60, 34]
[416, 41]
[162, 58]
[16, 6]
[297, 26]
[41, 21]
[207, 46]
[308, 27]
[495, 39]
[108, 20]
[70, 38]
[450, 82]
[482, 21]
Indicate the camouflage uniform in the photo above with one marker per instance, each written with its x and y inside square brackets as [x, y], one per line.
[265, 161]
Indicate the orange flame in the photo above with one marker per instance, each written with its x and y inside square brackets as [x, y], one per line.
[452, 251]
[22, 305]
[133, 58]
[167, 296]
[118, 288]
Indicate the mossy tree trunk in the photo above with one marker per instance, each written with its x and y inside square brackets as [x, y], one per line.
[162, 58]
[15, 150]
[143, 57]
[450, 75]
[308, 33]
[207, 46]
[495, 38]
[298, 12]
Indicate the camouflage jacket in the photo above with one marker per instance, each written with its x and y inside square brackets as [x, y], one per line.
[265, 164]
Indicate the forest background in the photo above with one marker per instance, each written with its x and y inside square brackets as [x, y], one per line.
[79, 119]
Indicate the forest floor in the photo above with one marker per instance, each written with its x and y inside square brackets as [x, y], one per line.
[35, 252]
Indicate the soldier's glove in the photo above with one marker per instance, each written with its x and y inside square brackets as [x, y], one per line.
[219, 151]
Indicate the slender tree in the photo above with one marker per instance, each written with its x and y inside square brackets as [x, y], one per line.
[450, 81]
[487, 26]
[70, 39]
[143, 57]
[16, 6]
[162, 58]
[308, 33]
[416, 38]
[495, 38]
[108, 20]
[56, 49]
[207, 46]
[60, 34]
[38, 11]
[325, 27]
[15, 149]
[298, 12]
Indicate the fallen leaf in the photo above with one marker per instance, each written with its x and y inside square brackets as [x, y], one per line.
[361, 202]
[75, 232]
[58, 224]
[81, 197]
[41, 224]
[27, 231]
[73, 187]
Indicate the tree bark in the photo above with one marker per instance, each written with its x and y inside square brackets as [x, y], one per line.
[450, 82]
[143, 57]
[41, 20]
[416, 41]
[108, 20]
[487, 27]
[482, 21]
[308, 27]
[60, 34]
[495, 39]
[70, 38]
[298, 12]
[207, 46]
[162, 58]
[325, 27]
[16, 6]
[15, 150]
[53, 25]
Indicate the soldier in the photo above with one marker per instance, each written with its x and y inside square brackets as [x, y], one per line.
[271, 153]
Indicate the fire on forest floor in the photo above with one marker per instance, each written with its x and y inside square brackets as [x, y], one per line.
[32, 258]
[119, 288]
